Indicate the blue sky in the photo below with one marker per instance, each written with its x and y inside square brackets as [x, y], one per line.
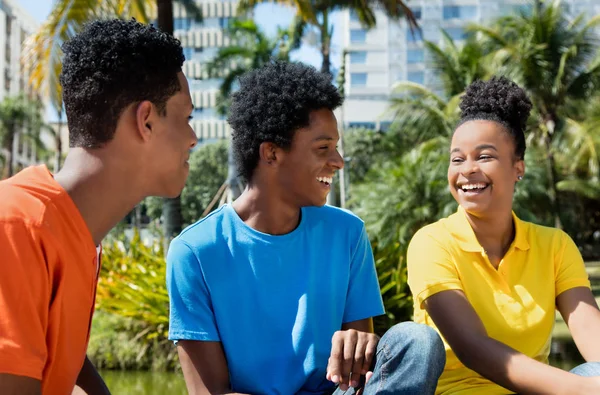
[267, 15]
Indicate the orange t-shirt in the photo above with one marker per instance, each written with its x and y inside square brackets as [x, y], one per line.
[48, 276]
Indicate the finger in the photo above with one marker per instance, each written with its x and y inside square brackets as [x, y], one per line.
[335, 358]
[359, 357]
[350, 340]
[370, 351]
[368, 377]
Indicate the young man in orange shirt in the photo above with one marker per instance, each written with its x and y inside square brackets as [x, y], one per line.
[128, 107]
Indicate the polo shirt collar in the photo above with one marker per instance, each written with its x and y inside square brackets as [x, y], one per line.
[461, 229]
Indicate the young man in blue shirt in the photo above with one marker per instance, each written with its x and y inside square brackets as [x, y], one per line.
[275, 293]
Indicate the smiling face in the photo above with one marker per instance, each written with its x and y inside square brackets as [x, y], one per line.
[483, 167]
[306, 170]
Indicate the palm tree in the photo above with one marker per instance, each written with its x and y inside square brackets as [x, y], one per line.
[19, 115]
[552, 57]
[44, 56]
[456, 65]
[252, 49]
[317, 13]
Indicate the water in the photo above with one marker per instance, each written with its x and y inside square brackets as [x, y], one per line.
[143, 383]
[161, 383]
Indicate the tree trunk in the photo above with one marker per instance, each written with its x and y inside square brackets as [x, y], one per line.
[173, 220]
[551, 172]
[58, 145]
[10, 151]
[325, 44]
[233, 182]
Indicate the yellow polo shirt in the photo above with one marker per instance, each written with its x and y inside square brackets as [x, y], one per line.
[516, 303]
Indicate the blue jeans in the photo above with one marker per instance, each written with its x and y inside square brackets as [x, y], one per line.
[589, 369]
[409, 361]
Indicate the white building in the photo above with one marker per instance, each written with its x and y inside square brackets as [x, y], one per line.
[389, 53]
[15, 25]
[201, 42]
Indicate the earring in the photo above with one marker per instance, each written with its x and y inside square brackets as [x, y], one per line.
[519, 178]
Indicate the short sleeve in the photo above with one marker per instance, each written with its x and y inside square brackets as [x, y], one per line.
[430, 267]
[570, 269]
[363, 299]
[24, 301]
[191, 312]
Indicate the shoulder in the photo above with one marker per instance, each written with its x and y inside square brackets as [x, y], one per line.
[198, 238]
[335, 216]
[547, 238]
[27, 199]
[439, 232]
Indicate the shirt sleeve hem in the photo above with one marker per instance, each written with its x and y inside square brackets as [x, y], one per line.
[437, 288]
[567, 285]
[362, 316]
[190, 335]
[24, 368]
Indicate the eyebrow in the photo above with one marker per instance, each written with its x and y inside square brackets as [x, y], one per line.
[323, 137]
[479, 148]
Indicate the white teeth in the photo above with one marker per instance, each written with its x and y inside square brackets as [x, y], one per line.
[326, 180]
[469, 187]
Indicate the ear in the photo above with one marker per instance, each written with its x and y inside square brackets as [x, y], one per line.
[144, 119]
[520, 169]
[269, 153]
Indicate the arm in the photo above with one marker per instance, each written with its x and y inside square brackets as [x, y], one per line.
[463, 330]
[580, 311]
[90, 380]
[204, 367]
[19, 385]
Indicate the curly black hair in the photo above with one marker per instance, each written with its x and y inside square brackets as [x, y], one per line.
[273, 102]
[499, 100]
[110, 65]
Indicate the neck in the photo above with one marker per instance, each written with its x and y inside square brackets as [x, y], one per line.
[264, 210]
[101, 190]
[494, 233]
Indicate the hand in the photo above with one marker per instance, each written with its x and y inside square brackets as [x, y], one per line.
[351, 357]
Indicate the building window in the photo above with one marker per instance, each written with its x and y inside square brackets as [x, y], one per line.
[418, 77]
[415, 56]
[365, 125]
[456, 33]
[464, 12]
[182, 23]
[358, 36]
[359, 57]
[223, 23]
[188, 52]
[417, 12]
[354, 16]
[413, 36]
[358, 79]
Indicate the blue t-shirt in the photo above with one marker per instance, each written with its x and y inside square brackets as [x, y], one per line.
[274, 302]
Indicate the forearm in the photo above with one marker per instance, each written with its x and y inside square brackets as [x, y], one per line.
[90, 380]
[516, 371]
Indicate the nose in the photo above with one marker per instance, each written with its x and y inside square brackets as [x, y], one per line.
[193, 138]
[336, 161]
[469, 167]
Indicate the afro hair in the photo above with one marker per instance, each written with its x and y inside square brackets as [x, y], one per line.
[272, 103]
[110, 65]
[499, 100]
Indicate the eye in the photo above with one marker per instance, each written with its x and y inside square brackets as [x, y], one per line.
[456, 160]
[325, 147]
[485, 157]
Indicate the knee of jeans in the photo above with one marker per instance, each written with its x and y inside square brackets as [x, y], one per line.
[422, 338]
[588, 369]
